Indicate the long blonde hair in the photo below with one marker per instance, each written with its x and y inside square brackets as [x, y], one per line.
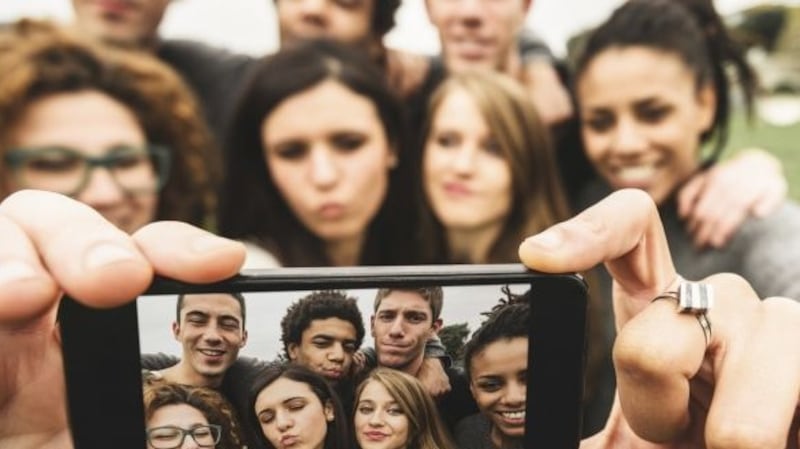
[538, 200]
[426, 430]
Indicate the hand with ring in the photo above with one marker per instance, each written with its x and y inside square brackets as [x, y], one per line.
[741, 390]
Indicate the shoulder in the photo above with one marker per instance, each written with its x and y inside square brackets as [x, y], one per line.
[184, 49]
[473, 432]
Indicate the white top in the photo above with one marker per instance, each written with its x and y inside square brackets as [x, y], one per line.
[258, 257]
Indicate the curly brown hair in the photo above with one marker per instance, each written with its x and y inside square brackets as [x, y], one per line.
[40, 59]
[216, 409]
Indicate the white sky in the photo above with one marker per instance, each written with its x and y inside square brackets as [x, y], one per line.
[248, 25]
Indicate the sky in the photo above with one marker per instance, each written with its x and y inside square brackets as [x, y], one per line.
[247, 25]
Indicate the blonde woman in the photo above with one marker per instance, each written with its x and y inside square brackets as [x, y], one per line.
[394, 411]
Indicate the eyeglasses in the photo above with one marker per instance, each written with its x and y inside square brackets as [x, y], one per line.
[171, 437]
[134, 169]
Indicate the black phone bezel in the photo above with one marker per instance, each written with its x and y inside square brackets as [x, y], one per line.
[102, 354]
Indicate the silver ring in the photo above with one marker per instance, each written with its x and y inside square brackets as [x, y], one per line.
[694, 298]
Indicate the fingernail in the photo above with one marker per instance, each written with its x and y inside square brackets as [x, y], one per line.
[15, 270]
[209, 242]
[547, 239]
[105, 254]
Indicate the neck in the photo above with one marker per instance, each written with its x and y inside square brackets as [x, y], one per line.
[345, 252]
[502, 441]
[472, 245]
[512, 65]
[414, 366]
[183, 374]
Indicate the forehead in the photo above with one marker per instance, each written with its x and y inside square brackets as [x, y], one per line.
[281, 390]
[211, 303]
[65, 118]
[402, 300]
[326, 106]
[506, 356]
[631, 73]
[375, 391]
[181, 415]
[456, 107]
[331, 327]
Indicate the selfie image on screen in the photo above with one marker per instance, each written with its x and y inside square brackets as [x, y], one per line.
[385, 368]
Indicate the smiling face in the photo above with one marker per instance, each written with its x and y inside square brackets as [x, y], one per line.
[63, 120]
[328, 156]
[467, 180]
[402, 323]
[477, 33]
[346, 21]
[211, 332]
[380, 423]
[499, 385]
[642, 117]
[131, 22]
[327, 347]
[292, 416]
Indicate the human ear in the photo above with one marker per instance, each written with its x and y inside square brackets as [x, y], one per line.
[330, 416]
[707, 101]
[291, 348]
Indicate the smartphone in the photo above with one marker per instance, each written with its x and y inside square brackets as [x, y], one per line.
[103, 348]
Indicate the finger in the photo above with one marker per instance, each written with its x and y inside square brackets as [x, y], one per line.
[718, 226]
[86, 255]
[623, 230]
[689, 193]
[758, 380]
[181, 251]
[726, 228]
[26, 289]
[660, 351]
[771, 199]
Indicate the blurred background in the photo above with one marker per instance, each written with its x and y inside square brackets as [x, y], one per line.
[770, 29]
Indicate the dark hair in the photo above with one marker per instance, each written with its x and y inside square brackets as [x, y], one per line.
[337, 435]
[235, 295]
[40, 59]
[251, 206]
[690, 29]
[319, 305]
[510, 318]
[434, 296]
[383, 17]
[209, 402]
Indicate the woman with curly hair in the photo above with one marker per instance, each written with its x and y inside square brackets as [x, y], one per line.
[175, 413]
[114, 129]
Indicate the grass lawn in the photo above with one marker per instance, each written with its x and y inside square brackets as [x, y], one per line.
[784, 142]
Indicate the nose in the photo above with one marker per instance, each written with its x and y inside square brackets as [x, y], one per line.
[189, 443]
[628, 138]
[464, 160]
[470, 11]
[283, 421]
[324, 172]
[396, 329]
[313, 11]
[336, 353]
[375, 419]
[515, 394]
[212, 335]
[101, 189]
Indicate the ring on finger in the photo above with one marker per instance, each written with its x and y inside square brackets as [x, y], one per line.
[693, 298]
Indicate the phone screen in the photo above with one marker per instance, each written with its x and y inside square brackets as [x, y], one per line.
[529, 387]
